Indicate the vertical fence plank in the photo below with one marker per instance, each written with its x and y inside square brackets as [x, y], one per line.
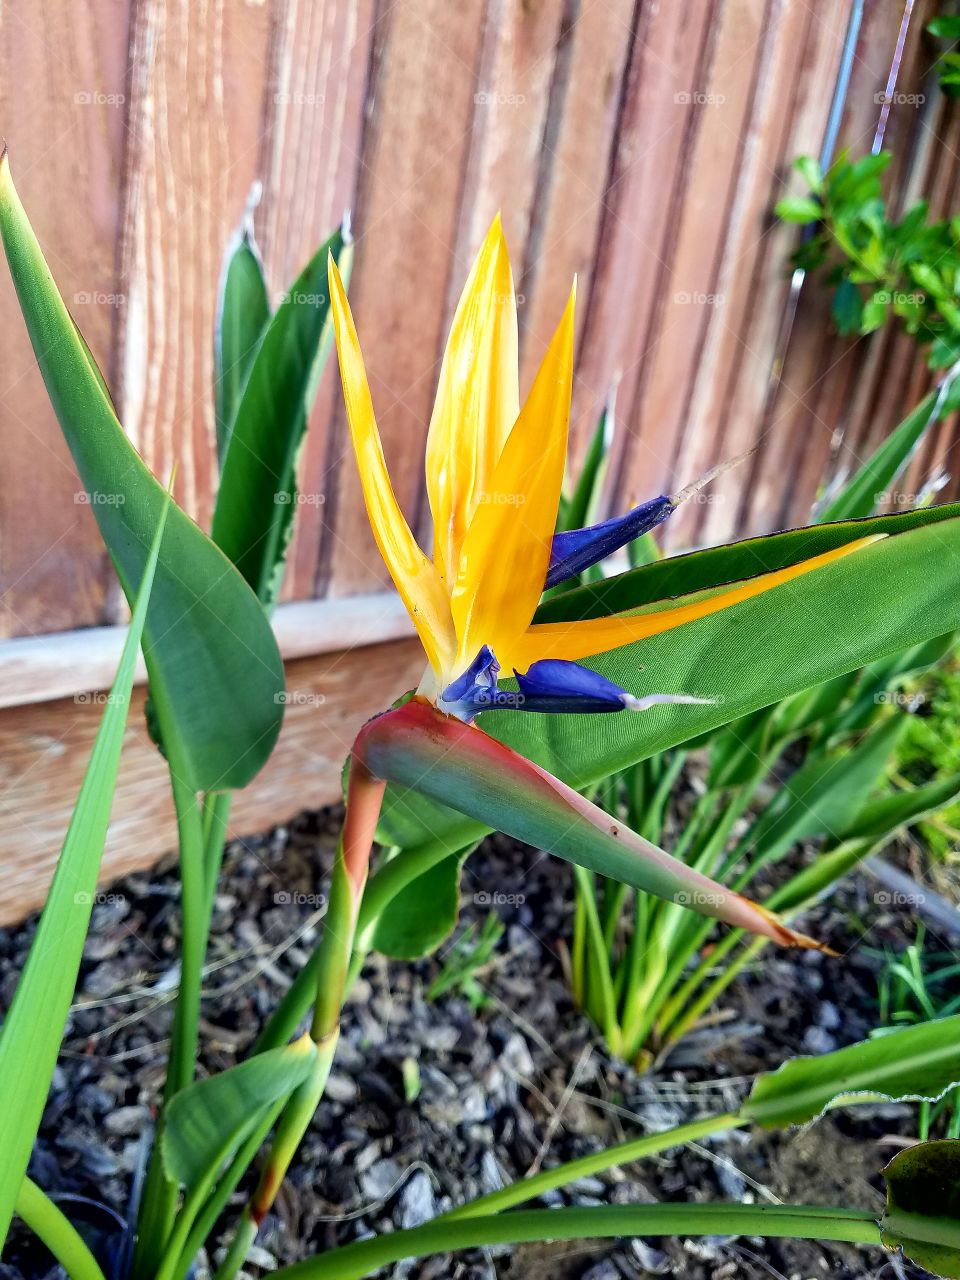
[62, 88]
[588, 82]
[194, 130]
[318, 64]
[407, 217]
[670, 47]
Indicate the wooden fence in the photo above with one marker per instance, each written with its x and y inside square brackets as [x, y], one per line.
[640, 145]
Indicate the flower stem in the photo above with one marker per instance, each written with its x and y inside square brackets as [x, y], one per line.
[334, 953]
[785, 1222]
[57, 1232]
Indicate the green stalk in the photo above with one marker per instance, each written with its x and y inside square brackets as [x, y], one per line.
[177, 1265]
[674, 1006]
[381, 889]
[159, 1205]
[601, 1002]
[578, 954]
[216, 815]
[785, 1222]
[650, 1144]
[335, 951]
[294, 1122]
[50, 1225]
[716, 988]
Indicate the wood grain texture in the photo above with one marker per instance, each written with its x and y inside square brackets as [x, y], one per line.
[422, 95]
[193, 132]
[318, 65]
[44, 750]
[62, 90]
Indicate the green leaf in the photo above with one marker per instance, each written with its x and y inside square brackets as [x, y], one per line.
[799, 209]
[242, 316]
[922, 1214]
[581, 507]
[424, 914]
[31, 1033]
[838, 618]
[868, 486]
[825, 794]
[880, 817]
[875, 311]
[810, 171]
[253, 517]
[912, 1063]
[206, 1121]
[732, 562]
[945, 26]
[847, 308]
[215, 671]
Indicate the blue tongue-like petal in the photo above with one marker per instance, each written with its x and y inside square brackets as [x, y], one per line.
[551, 686]
[554, 685]
[578, 549]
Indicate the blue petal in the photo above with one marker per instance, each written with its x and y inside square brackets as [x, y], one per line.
[553, 685]
[482, 672]
[578, 549]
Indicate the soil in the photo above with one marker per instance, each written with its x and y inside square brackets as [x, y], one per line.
[521, 1082]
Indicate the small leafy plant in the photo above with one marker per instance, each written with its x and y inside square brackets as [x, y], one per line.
[510, 724]
[879, 267]
[917, 985]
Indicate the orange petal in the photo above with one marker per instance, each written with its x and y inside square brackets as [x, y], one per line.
[506, 552]
[477, 402]
[575, 640]
[416, 578]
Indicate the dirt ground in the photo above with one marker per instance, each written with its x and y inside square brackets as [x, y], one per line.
[521, 1082]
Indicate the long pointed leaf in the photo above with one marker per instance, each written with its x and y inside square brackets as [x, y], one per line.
[208, 1119]
[842, 617]
[33, 1027]
[215, 670]
[459, 765]
[919, 1062]
[255, 502]
[242, 315]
